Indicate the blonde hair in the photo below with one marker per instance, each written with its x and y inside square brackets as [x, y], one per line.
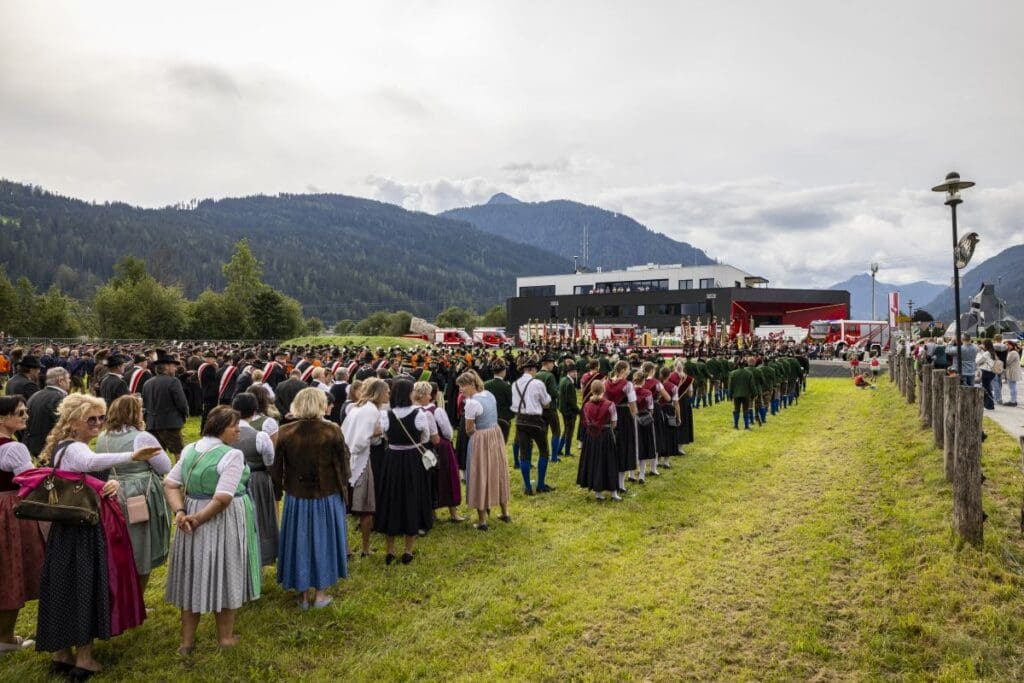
[74, 407]
[678, 365]
[309, 403]
[596, 391]
[470, 379]
[125, 411]
[257, 375]
[621, 369]
[422, 390]
[373, 391]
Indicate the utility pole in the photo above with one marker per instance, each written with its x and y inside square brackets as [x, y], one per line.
[910, 308]
[874, 269]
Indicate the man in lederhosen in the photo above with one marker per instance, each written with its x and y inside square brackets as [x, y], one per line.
[529, 399]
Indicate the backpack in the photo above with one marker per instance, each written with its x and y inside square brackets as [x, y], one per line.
[940, 362]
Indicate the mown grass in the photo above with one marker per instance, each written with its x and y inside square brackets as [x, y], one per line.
[354, 340]
[818, 548]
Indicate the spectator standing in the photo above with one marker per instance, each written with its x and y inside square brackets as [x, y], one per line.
[166, 406]
[1013, 371]
[42, 409]
[25, 382]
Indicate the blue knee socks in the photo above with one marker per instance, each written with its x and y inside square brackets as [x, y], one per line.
[542, 469]
[736, 419]
[524, 468]
[556, 445]
[515, 454]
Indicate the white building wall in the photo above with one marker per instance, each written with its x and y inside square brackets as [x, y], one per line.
[723, 275]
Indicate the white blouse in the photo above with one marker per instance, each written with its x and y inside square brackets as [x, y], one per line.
[78, 457]
[230, 467]
[472, 408]
[358, 432]
[14, 457]
[270, 425]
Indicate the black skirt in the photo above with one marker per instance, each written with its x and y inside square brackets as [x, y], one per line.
[668, 441]
[684, 432]
[599, 463]
[404, 505]
[74, 595]
[625, 439]
[645, 441]
[377, 454]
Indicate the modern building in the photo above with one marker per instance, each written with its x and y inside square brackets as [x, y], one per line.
[657, 297]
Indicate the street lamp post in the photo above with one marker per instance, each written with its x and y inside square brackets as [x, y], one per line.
[874, 270]
[910, 309]
[952, 188]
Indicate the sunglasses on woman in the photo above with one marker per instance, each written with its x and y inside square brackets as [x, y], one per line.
[20, 412]
[96, 420]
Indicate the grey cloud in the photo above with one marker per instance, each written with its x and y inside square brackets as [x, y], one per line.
[402, 102]
[558, 165]
[203, 79]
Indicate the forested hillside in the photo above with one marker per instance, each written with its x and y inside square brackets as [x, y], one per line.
[615, 240]
[341, 257]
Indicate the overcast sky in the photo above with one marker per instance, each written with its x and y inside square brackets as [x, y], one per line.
[796, 140]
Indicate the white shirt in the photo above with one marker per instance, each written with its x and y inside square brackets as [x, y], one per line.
[229, 468]
[264, 446]
[534, 395]
[265, 386]
[78, 457]
[358, 431]
[270, 425]
[14, 457]
[444, 425]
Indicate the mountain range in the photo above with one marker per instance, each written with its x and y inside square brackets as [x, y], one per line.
[341, 257]
[615, 240]
[859, 287]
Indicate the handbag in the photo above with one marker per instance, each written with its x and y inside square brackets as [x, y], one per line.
[645, 419]
[138, 510]
[60, 500]
[671, 420]
[427, 456]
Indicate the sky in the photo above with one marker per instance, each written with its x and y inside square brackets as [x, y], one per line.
[795, 140]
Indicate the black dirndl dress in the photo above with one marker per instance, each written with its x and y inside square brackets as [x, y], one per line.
[599, 462]
[404, 505]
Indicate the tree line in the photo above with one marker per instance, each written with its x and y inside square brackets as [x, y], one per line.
[133, 304]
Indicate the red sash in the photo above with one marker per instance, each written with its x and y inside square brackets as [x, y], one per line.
[267, 370]
[229, 372]
[309, 371]
[199, 372]
[133, 383]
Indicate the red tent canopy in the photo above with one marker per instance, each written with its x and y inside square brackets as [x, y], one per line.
[800, 314]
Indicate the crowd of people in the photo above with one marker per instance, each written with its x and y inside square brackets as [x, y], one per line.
[989, 363]
[384, 438]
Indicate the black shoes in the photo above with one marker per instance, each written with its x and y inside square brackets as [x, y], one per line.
[480, 527]
[407, 558]
[389, 558]
[505, 518]
[545, 489]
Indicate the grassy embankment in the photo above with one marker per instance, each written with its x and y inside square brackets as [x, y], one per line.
[350, 340]
[817, 547]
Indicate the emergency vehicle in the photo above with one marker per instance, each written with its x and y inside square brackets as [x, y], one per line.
[489, 336]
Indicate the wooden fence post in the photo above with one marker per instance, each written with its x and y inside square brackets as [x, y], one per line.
[912, 381]
[968, 518]
[938, 430]
[949, 396]
[925, 411]
[902, 363]
[892, 366]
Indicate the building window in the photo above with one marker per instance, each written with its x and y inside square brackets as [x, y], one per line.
[631, 286]
[699, 308]
[707, 283]
[589, 312]
[538, 290]
[641, 310]
[582, 289]
[611, 311]
[686, 284]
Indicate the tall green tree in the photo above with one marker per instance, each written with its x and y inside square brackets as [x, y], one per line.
[216, 315]
[8, 303]
[495, 316]
[133, 305]
[453, 316]
[274, 315]
[242, 274]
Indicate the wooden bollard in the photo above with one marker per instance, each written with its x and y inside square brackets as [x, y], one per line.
[938, 428]
[892, 366]
[949, 396]
[1022, 473]
[968, 518]
[925, 411]
[903, 375]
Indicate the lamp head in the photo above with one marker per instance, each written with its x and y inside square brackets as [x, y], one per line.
[874, 268]
[952, 187]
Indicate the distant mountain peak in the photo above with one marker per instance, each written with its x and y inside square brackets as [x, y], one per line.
[502, 198]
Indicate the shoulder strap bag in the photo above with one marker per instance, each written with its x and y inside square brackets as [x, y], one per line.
[60, 500]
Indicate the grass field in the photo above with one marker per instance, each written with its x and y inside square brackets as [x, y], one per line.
[356, 340]
[816, 548]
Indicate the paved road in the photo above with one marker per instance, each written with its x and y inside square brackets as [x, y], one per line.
[1010, 419]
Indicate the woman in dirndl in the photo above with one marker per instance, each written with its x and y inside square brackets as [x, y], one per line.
[149, 524]
[599, 466]
[21, 540]
[447, 491]
[311, 466]
[487, 482]
[362, 430]
[258, 448]
[89, 587]
[215, 556]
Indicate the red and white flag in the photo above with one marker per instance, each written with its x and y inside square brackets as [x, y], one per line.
[894, 307]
